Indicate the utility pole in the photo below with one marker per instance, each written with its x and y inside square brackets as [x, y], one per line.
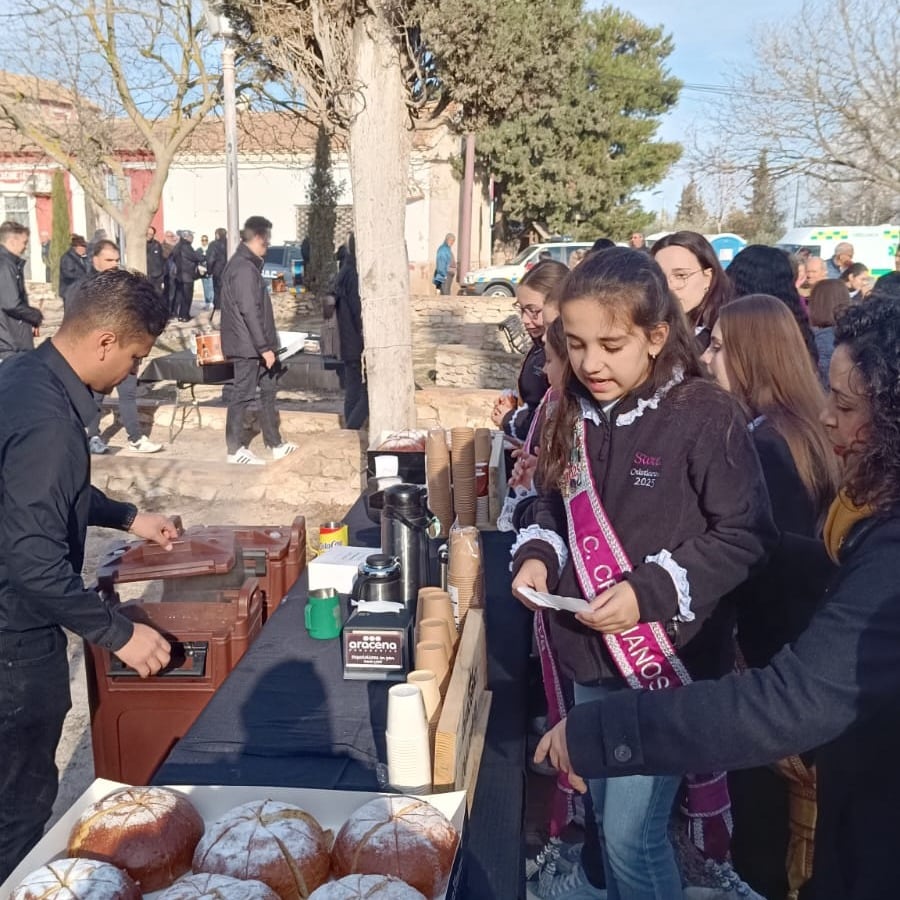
[465, 215]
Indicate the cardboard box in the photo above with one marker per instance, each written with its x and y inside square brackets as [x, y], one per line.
[410, 465]
[330, 808]
[498, 486]
[337, 567]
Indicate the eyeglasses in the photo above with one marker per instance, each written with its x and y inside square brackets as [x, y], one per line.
[528, 312]
[680, 279]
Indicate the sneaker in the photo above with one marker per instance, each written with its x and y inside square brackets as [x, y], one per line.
[572, 885]
[96, 446]
[726, 884]
[245, 457]
[282, 450]
[144, 445]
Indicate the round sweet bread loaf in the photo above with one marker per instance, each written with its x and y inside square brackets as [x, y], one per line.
[73, 878]
[276, 843]
[401, 836]
[150, 832]
[366, 887]
[217, 887]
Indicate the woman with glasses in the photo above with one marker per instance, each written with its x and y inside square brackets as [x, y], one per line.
[695, 276]
[514, 415]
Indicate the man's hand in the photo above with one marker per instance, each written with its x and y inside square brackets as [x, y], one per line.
[154, 527]
[553, 744]
[147, 652]
[36, 331]
[269, 358]
[533, 574]
[613, 611]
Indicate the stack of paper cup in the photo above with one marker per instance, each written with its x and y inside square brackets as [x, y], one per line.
[426, 681]
[464, 576]
[436, 604]
[437, 476]
[406, 737]
[462, 455]
[435, 629]
[433, 655]
[482, 466]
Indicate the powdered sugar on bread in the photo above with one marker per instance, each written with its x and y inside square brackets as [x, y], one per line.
[217, 887]
[367, 887]
[77, 879]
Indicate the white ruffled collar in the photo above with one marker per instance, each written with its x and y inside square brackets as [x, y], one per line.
[591, 413]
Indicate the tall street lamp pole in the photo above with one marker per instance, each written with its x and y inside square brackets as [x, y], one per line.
[219, 26]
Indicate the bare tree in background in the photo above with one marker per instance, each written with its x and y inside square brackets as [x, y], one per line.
[134, 77]
[826, 106]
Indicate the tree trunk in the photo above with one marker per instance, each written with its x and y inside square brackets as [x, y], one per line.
[135, 256]
[379, 172]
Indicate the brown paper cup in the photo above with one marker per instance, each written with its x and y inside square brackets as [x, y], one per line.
[432, 655]
[436, 630]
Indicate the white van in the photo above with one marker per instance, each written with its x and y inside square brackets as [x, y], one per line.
[873, 245]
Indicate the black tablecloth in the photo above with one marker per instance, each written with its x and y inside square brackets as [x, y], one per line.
[286, 717]
[301, 371]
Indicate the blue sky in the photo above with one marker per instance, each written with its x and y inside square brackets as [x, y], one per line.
[710, 39]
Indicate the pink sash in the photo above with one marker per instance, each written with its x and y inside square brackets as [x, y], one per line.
[644, 655]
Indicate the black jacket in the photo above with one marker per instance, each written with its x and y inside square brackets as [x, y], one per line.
[72, 268]
[186, 261]
[156, 264]
[17, 318]
[837, 688]
[43, 519]
[216, 257]
[348, 309]
[681, 477]
[248, 321]
[533, 385]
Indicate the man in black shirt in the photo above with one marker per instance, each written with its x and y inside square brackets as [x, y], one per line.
[156, 264]
[46, 504]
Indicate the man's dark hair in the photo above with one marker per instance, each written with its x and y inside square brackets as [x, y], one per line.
[100, 246]
[151, 228]
[9, 228]
[118, 300]
[255, 226]
[221, 234]
[78, 240]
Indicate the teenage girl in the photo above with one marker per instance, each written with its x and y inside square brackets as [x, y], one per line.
[757, 354]
[512, 416]
[669, 457]
[696, 277]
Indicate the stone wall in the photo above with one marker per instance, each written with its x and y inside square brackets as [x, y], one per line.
[461, 366]
[471, 321]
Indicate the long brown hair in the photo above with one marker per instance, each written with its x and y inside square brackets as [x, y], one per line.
[771, 374]
[631, 285]
[828, 299]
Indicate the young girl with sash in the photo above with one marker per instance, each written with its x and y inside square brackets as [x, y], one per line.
[653, 508]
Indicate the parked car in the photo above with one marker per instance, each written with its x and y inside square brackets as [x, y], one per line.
[501, 281]
[286, 260]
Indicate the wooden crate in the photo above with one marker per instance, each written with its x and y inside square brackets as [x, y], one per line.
[459, 739]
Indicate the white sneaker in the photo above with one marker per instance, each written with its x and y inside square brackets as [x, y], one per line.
[282, 450]
[572, 885]
[245, 457]
[96, 446]
[144, 445]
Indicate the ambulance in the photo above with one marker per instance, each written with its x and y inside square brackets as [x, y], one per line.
[873, 245]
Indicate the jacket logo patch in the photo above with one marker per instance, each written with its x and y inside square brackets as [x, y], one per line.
[645, 469]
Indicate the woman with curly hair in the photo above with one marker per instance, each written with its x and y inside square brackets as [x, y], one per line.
[836, 690]
[696, 277]
[759, 269]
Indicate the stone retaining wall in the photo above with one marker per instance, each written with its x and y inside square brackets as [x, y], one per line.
[461, 366]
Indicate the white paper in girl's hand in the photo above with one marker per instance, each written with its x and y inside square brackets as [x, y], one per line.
[554, 601]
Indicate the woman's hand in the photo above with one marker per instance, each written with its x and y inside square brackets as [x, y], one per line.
[614, 611]
[553, 744]
[533, 574]
[523, 470]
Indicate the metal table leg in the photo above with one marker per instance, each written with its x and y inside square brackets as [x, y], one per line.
[186, 405]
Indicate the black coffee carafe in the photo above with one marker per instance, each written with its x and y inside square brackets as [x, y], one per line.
[406, 525]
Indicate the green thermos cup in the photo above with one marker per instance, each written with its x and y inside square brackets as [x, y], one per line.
[323, 614]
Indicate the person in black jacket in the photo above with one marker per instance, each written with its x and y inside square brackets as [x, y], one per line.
[46, 504]
[348, 309]
[19, 321]
[187, 259]
[216, 257]
[250, 341]
[156, 264]
[73, 265]
[836, 690]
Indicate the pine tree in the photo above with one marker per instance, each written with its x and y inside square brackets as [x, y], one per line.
[60, 232]
[766, 219]
[323, 197]
[691, 215]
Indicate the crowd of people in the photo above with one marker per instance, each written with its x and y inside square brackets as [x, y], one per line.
[708, 458]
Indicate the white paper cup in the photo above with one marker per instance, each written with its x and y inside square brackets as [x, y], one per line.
[409, 762]
[427, 683]
[406, 710]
